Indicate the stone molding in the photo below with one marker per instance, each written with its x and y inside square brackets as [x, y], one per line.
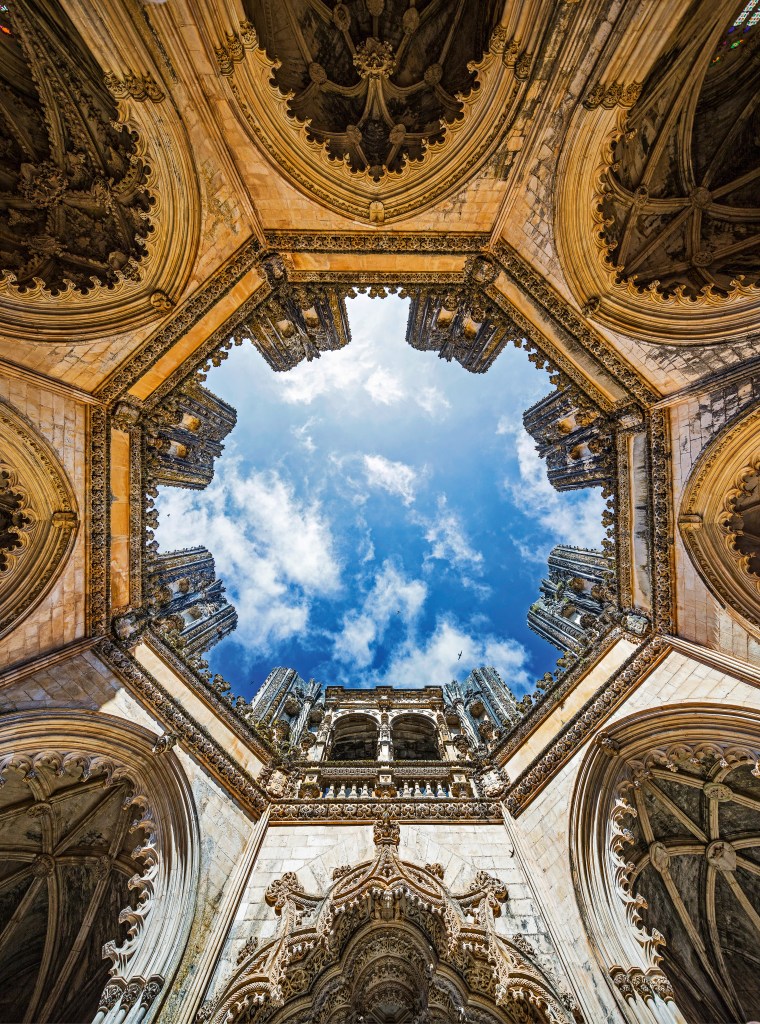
[577, 731]
[704, 514]
[47, 518]
[209, 695]
[176, 720]
[183, 318]
[418, 810]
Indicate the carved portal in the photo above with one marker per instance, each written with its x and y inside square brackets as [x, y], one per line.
[73, 203]
[681, 201]
[688, 846]
[76, 881]
[377, 81]
[389, 942]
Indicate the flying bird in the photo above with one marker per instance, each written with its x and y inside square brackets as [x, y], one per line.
[459, 656]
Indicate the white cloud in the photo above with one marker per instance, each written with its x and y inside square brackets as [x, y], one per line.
[383, 387]
[303, 437]
[432, 401]
[394, 477]
[448, 539]
[274, 553]
[570, 517]
[392, 596]
[436, 661]
[360, 367]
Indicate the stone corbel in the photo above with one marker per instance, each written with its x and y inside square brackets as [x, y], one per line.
[613, 95]
[134, 86]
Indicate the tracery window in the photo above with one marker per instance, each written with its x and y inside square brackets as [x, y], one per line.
[736, 36]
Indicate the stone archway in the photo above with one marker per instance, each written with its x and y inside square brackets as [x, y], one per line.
[665, 834]
[718, 514]
[38, 518]
[99, 868]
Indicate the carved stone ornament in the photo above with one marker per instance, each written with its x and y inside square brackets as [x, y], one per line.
[73, 200]
[392, 928]
[374, 109]
[38, 517]
[96, 851]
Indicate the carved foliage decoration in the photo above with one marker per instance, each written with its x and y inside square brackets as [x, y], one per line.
[682, 198]
[376, 81]
[38, 517]
[743, 520]
[73, 202]
[389, 938]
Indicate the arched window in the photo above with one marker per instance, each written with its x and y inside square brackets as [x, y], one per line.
[415, 739]
[354, 739]
[739, 30]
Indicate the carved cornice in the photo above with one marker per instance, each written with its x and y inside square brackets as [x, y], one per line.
[661, 519]
[99, 455]
[575, 733]
[177, 721]
[187, 316]
[545, 704]
[562, 313]
[209, 695]
[417, 810]
[430, 242]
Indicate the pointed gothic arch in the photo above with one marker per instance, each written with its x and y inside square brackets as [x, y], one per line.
[665, 845]
[39, 517]
[97, 896]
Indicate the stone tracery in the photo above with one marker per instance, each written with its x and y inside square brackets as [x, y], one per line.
[681, 201]
[73, 202]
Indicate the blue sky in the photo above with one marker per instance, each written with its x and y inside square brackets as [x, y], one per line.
[378, 511]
